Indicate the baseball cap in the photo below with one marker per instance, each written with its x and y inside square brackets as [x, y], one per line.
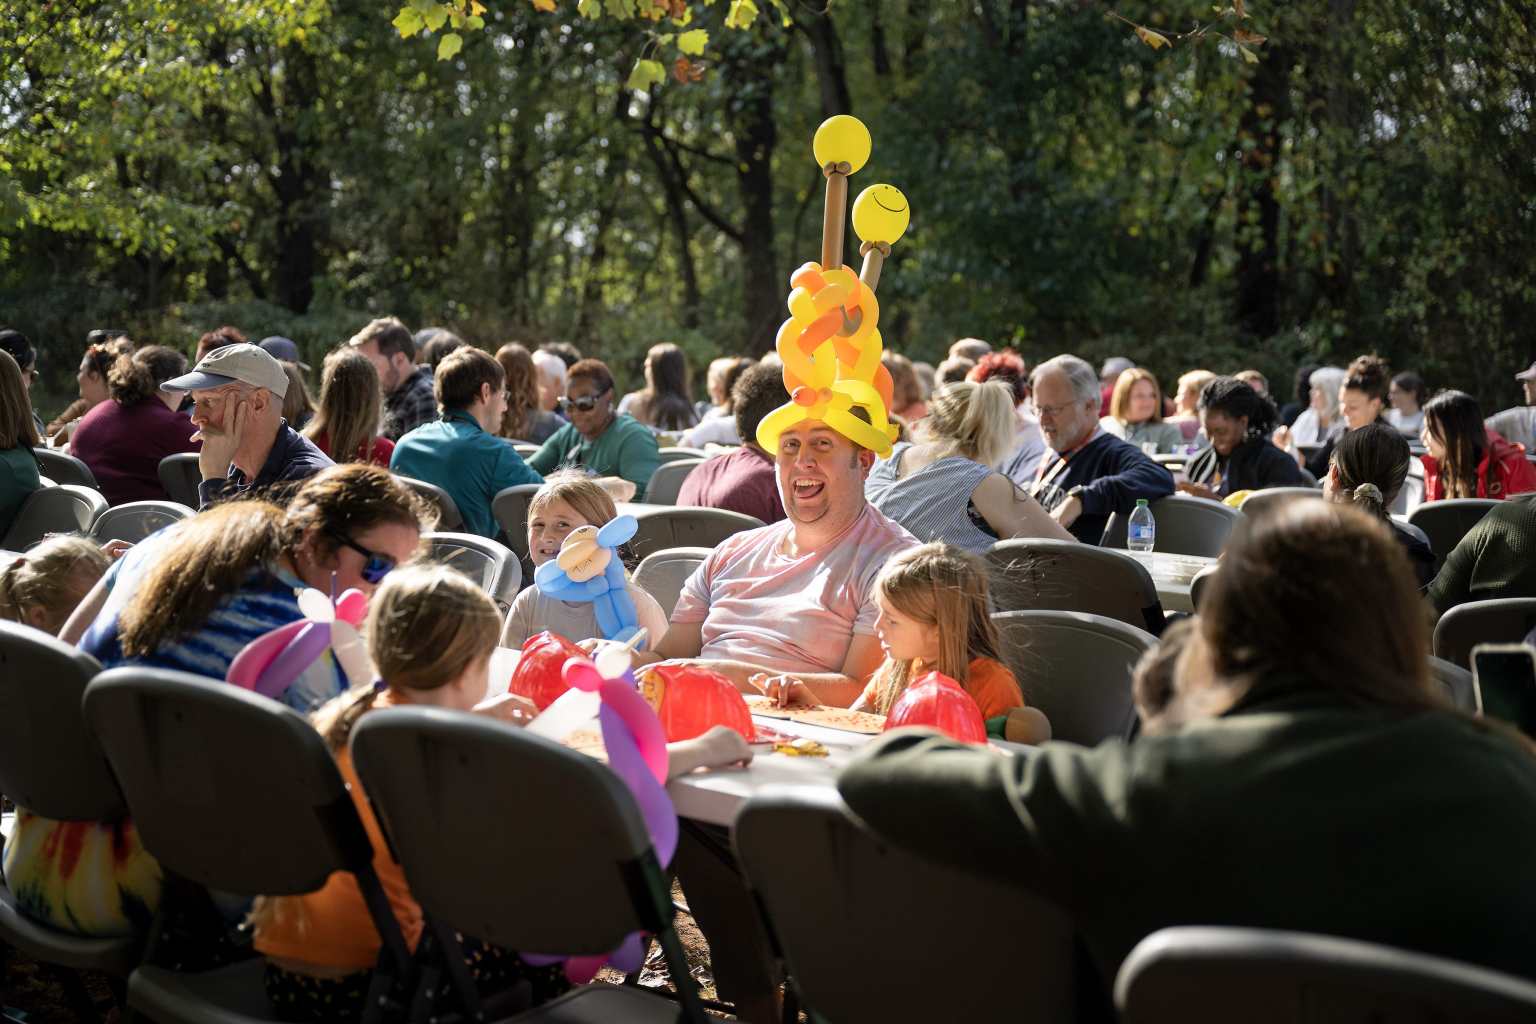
[1528, 374]
[247, 364]
[279, 347]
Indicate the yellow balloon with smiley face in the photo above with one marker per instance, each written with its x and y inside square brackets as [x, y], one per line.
[881, 214]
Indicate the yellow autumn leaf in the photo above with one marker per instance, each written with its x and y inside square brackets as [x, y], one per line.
[449, 45]
[645, 74]
[693, 42]
[1248, 55]
[741, 15]
[547, 6]
[1156, 40]
[476, 8]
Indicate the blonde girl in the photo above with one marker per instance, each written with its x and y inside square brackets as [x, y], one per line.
[566, 501]
[42, 587]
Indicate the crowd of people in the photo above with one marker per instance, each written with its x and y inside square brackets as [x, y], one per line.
[865, 576]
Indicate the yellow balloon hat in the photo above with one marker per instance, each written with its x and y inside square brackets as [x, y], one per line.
[842, 139]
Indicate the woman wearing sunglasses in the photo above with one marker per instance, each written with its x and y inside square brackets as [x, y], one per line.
[191, 596]
[598, 440]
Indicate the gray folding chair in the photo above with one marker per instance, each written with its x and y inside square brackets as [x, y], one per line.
[1456, 681]
[668, 479]
[1412, 494]
[136, 520]
[676, 454]
[1504, 620]
[63, 468]
[526, 449]
[448, 517]
[510, 507]
[687, 527]
[235, 792]
[562, 866]
[1446, 522]
[180, 475]
[1076, 668]
[1063, 575]
[63, 508]
[1217, 975]
[1186, 525]
[1199, 582]
[1263, 502]
[846, 908]
[662, 574]
[491, 564]
[52, 766]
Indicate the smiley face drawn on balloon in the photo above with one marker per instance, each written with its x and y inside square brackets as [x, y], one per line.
[881, 214]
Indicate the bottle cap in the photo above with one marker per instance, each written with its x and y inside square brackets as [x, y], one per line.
[1141, 502]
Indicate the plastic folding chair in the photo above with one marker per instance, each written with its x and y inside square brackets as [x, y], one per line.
[448, 517]
[561, 865]
[677, 454]
[667, 482]
[845, 908]
[1199, 582]
[1261, 503]
[1062, 575]
[1456, 681]
[61, 467]
[1446, 522]
[1215, 975]
[526, 449]
[510, 507]
[180, 475]
[235, 792]
[51, 765]
[1076, 668]
[1504, 620]
[687, 527]
[662, 574]
[1186, 525]
[63, 508]
[491, 564]
[136, 520]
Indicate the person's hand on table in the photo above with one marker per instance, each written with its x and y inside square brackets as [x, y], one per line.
[720, 747]
[785, 691]
[509, 708]
[1198, 490]
[116, 549]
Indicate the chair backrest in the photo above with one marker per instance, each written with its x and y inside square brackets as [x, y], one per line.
[846, 909]
[1446, 522]
[448, 517]
[663, 573]
[687, 527]
[1076, 668]
[180, 475]
[1199, 582]
[63, 508]
[668, 479]
[527, 449]
[49, 762]
[677, 454]
[1505, 620]
[558, 865]
[510, 507]
[1206, 975]
[1412, 494]
[1456, 681]
[492, 565]
[63, 468]
[1063, 575]
[1186, 525]
[227, 788]
[136, 520]
[1261, 503]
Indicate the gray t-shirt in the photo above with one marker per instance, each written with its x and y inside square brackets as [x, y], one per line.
[533, 612]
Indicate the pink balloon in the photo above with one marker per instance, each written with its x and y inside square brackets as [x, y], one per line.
[352, 607]
[247, 668]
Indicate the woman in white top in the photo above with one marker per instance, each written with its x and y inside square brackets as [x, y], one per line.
[1407, 396]
[1320, 421]
[1186, 397]
[718, 424]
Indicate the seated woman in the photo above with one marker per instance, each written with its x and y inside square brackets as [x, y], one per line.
[1186, 415]
[1367, 469]
[524, 419]
[717, 424]
[346, 422]
[1299, 753]
[664, 404]
[124, 439]
[945, 487]
[1319, 420]
[1407, 396]
[907, 402]
[1466, 459]
[1362, 400]
[43, 586]
[1136, 412]
[567, 501]
[101, 352]
[1238, 420]
[18, 436]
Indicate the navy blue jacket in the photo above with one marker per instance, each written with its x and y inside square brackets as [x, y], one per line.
[1112, 473]
[293, 458]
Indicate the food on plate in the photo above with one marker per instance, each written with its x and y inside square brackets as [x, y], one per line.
[800, 747]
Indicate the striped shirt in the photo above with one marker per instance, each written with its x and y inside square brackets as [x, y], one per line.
[933, 503]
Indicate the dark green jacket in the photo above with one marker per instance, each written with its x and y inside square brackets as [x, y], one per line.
[626, 449]
[1417, 831]
[1497, 558]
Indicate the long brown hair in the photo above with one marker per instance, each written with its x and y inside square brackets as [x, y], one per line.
[1371, 464]
[1454, 420]
[522, 386]
[215, 551]
[348, 412]
[942, 587]
[664, 402]
[17, 427]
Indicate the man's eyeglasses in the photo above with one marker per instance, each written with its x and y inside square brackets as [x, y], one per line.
[585, 403]
[1054, 410]
[375, 565]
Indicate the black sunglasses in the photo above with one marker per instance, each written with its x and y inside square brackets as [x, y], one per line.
[376, 566]
[586, 403]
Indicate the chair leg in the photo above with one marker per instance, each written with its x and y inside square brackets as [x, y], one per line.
[687, 991]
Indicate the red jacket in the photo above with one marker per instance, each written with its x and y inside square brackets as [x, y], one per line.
[1511, 473]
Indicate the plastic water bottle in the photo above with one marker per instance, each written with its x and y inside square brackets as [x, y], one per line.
[1141, 533]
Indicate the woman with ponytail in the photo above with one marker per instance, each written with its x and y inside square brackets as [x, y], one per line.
[1238, 420]
[124, 439]
[945, 487]
[1367, 470]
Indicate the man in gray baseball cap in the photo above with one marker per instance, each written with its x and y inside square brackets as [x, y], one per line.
[237, 407]
[1519, 424]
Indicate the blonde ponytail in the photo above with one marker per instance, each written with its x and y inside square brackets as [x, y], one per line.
[973, 420]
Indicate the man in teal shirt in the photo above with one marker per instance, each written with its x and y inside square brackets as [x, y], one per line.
[460, 453]
[597, 439]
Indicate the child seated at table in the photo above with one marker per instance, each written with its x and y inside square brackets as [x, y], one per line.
[566, 501]
[430, 634]
[42, 587]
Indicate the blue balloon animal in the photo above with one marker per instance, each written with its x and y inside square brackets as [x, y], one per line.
[588, 568]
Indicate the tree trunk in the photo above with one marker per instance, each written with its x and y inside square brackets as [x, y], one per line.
[1258, 263]
[827, 50]
[756, 134]
[299, 182]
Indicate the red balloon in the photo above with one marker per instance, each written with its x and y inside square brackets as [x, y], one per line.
[690, 701]
[939, 702]
[537, 675]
